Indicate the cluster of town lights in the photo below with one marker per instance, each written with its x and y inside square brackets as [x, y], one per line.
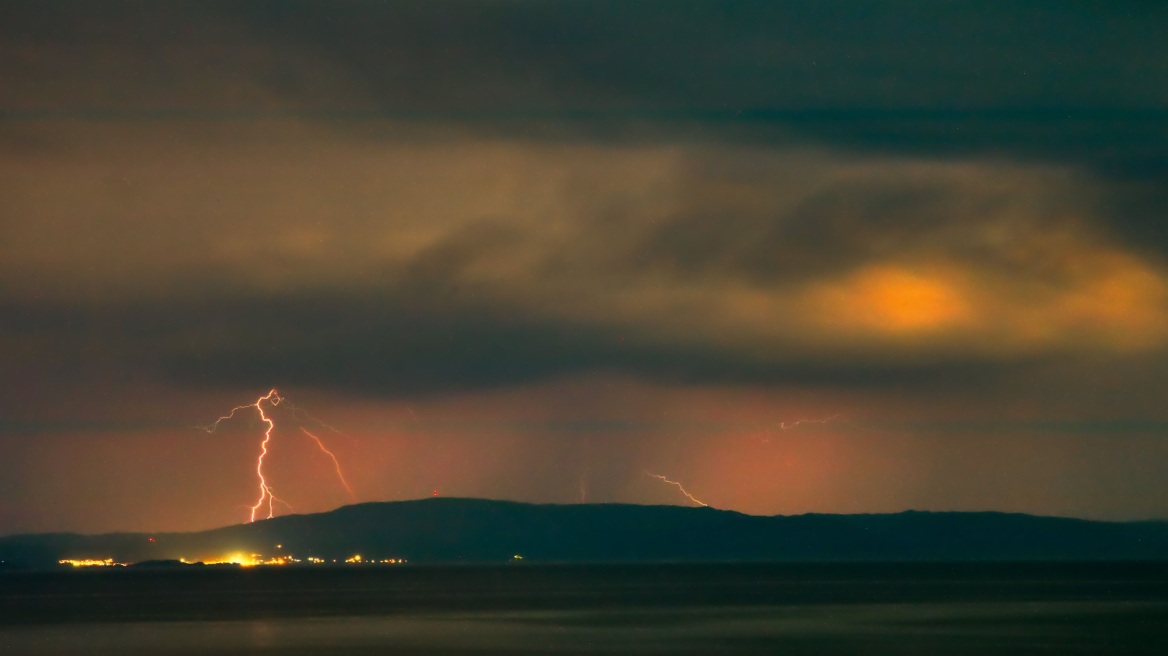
[248, 560]
[90, 562]
[259, 560]
[358, 559]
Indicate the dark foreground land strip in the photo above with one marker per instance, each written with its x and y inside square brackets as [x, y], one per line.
[105, 595]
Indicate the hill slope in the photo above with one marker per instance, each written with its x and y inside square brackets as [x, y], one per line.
[451, 530]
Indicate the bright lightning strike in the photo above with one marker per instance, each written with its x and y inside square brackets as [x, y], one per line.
[273, 397]
[267, 498]
[679, 486]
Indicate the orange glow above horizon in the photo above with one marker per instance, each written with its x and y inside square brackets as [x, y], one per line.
[738, 449]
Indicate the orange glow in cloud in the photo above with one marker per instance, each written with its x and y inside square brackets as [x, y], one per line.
[1099, 299]
[1123, 304]
[895, 300]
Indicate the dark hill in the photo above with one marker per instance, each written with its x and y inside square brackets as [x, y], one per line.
[479, 531]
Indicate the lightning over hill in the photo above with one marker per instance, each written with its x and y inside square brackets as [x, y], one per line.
[267, 497]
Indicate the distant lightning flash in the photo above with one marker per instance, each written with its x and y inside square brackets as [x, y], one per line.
[336, 463]
[301, 415]
[799, 422]
[266, 497]
[785, 426]
[679, 486]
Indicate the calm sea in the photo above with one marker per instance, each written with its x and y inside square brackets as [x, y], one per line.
[658, 609]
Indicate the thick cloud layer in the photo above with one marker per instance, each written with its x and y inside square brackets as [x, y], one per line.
[927, 214]
[410, 263]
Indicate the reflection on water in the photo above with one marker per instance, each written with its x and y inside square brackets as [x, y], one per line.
[889, 628]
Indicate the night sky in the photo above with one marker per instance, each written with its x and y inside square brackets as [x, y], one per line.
[534, 250]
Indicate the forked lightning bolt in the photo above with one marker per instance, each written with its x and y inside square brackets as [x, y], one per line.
[679, 486]
[266, 497]
[272, 397]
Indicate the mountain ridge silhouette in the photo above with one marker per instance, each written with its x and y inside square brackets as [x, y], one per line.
[450, 530]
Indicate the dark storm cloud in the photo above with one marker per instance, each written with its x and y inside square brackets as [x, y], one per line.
[684, 264]
[822, 166]
[1081, 84]
[898, 73]
[933, 230]
[412, 347]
